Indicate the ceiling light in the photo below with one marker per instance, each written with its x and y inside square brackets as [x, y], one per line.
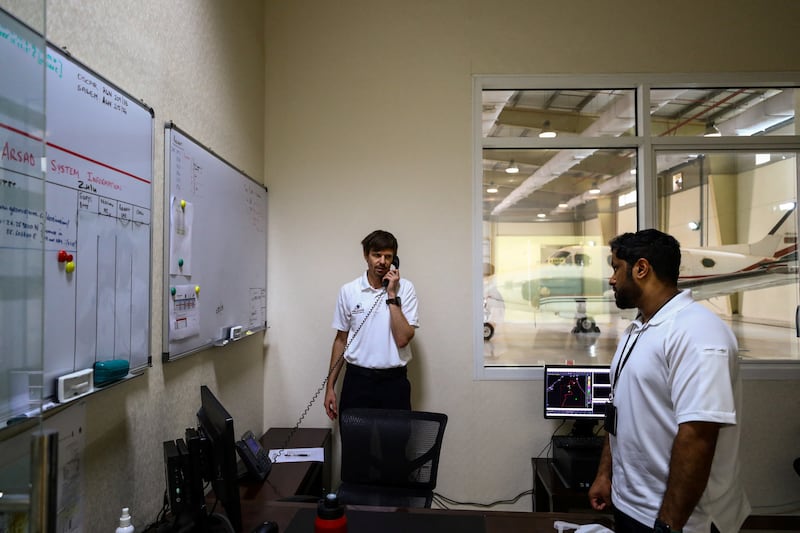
[594, 189]
[492, 188]
[762, 158]
[547, 132]
[541, 215]
[693, 225]
[563, 205]
[512, 168]
[712, 130]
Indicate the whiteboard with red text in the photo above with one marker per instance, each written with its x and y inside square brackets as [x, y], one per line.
[75, 213]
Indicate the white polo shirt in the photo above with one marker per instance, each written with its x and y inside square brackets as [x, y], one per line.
[374, 346]
[683, 367]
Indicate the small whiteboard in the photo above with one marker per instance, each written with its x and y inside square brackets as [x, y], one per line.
[215, 249]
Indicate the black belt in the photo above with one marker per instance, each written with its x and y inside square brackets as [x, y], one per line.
[394, 372]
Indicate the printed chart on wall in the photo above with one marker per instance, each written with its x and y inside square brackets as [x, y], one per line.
[88, 213]
[215, 249]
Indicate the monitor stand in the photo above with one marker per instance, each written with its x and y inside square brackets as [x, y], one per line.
[583, 428]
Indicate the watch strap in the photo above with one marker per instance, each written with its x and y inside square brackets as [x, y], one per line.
[662, 527]
[393, 301]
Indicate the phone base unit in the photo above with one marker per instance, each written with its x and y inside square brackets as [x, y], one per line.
[254, 456]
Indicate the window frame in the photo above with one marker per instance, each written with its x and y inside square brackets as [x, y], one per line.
[646, 147]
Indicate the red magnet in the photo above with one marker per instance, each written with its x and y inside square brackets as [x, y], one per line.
[63, 256]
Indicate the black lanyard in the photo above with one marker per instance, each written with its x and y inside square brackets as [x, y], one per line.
[625, 358]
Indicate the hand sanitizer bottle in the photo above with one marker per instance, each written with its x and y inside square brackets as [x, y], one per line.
[125, 525]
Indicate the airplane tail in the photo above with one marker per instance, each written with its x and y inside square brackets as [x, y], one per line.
[776, 244]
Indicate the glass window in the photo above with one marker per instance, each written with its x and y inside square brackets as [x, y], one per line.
[719, 112]
[545, 260]
[735, 217]
[564, 166]
[549, 114]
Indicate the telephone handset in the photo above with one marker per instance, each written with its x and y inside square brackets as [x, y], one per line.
[254, 456]
[396, 265]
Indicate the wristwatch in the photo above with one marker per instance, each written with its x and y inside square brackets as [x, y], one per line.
[662, 527]
[393, 301]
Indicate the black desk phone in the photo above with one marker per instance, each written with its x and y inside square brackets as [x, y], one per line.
[254, 456]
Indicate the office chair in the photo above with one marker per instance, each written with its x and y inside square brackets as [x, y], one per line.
[390, 457]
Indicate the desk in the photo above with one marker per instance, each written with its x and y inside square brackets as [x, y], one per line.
[494, 521]
[549, 492]
[287, 479]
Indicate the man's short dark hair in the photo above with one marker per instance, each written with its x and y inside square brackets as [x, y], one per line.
[661, 250]
[379, 240]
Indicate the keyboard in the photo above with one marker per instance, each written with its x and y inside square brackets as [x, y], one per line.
[577, 443]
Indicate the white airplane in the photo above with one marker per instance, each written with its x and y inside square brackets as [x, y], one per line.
[573, 281]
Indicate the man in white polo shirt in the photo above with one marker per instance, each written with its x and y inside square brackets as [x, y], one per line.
[670, 462]
[375, 320]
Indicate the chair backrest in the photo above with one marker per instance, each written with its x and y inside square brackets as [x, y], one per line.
[391, 448]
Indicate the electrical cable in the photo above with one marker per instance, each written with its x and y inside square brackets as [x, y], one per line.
[339, 362]
[161, 516]
[444, 500]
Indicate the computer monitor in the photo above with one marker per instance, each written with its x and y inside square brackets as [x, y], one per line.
[577, 392]
[220, 467]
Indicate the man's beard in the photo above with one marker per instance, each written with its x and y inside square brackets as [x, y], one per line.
[626, 296]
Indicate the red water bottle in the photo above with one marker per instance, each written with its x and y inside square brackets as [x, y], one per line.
[330, 516]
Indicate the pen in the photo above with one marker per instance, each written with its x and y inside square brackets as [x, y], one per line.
[296, 454]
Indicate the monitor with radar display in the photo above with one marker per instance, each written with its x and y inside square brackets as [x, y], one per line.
[576, 392]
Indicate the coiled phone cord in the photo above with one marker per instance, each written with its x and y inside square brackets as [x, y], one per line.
[339, 362]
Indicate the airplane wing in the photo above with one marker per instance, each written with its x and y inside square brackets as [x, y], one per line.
[768, 275]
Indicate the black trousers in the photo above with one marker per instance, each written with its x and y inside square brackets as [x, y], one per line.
[625, 524]
[379, 389]
[375, 388]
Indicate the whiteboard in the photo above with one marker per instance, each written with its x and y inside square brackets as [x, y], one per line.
[92, 204]
[215, 249]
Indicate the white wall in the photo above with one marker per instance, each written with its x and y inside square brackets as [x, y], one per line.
[368, 125]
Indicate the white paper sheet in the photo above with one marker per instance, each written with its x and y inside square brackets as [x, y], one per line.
[297, 455]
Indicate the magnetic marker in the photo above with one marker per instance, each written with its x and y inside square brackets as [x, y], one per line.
[180, 262]
[173, 291]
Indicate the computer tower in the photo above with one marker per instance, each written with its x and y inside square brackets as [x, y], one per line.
[577, 467]
[195, 449]
[176, 479]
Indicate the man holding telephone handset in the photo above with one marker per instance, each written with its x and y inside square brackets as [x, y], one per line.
[375, 319]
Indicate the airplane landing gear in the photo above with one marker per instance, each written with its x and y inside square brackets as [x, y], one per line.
[585, 325]
[488, 330]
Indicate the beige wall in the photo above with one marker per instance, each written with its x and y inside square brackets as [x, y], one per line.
[366, 123]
